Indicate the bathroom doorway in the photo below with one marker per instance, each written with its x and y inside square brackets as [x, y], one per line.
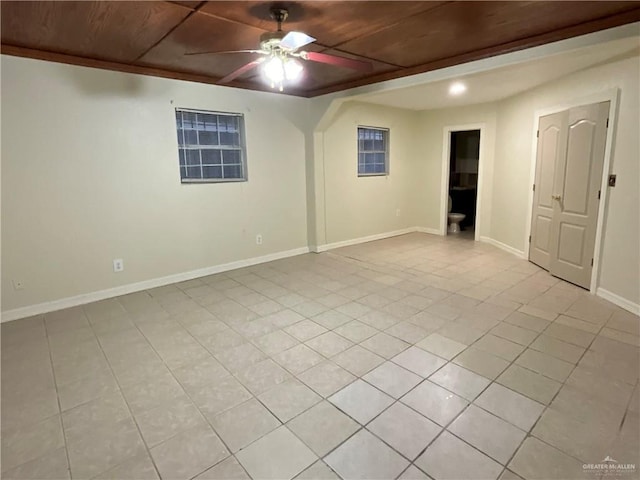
[461, 181]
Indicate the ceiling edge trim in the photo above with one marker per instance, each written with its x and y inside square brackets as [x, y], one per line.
[24, 52]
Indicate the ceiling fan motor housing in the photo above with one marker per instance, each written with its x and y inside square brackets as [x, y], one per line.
[271, 40]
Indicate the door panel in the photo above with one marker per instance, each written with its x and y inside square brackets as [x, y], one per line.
[543, 234]
[579, 153]
[577, 183]
[551, 143]
[571, 249]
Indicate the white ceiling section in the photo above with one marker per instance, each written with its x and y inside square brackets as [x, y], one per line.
[503, 82]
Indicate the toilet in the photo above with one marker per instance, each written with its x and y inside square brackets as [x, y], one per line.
[454, 219]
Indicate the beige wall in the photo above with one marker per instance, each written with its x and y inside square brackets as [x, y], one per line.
[356, 207]
[512, 179]
[90, 173]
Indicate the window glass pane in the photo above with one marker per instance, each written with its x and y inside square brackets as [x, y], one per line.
[192, 172]
[212, 172]
[183, 172]
[210, 156]
[229, 134]
[210, 121]
[199, 125]
[378, 158]
[190, 137]
[193, 157]
[208, 137]
[230, 139]
[188, 120]
[182, 155]
[231, 157]
[378, 167]
[368, 145]
[232, 171]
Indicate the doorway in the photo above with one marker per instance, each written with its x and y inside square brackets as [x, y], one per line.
[462, 182]
[567, 191]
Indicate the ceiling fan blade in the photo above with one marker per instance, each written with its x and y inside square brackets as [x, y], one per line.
[338, 61]
[241, 70]
[262, 52]
[295, 40]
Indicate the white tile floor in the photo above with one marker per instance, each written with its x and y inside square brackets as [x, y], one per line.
[413, 357]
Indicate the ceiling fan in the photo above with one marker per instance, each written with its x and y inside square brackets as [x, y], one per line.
[279, 54]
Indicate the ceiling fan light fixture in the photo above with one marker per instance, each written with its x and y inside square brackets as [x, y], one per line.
[278, 69]
[292, 69]
[274, 71]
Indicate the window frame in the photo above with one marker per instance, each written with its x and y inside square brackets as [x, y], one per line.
[387, 136]
[242, 149]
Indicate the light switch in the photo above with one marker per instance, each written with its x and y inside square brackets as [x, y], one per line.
[612, 180]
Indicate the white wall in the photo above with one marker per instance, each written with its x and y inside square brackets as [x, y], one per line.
[620, 261]
[355, 207]
[90, 173]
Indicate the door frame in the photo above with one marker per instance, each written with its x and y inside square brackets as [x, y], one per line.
[444, 185]
[612, 96]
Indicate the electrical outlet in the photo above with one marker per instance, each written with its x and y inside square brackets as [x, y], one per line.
[118, 265]
[397, 212]
[18, 284]
[259, 239]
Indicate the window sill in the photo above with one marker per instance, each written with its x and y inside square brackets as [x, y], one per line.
[212, 180]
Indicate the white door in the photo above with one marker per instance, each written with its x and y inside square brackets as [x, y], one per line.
[552, 143]
[567, 195]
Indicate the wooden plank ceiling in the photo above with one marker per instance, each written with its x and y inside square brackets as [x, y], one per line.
[399, 38]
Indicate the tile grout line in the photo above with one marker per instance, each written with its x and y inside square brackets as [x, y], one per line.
[115, 377]
[55, 384]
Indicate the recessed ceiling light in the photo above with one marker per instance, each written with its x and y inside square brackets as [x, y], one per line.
[457, 88]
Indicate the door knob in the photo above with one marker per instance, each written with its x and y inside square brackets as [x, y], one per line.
[556, 197]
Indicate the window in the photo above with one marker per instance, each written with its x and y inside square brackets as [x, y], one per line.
[211, 146]
[373, 151]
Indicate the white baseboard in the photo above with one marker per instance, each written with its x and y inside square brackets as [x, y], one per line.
[619, 301]
[85, 298]
[431, 231]
[356, 241]
[504, 246]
